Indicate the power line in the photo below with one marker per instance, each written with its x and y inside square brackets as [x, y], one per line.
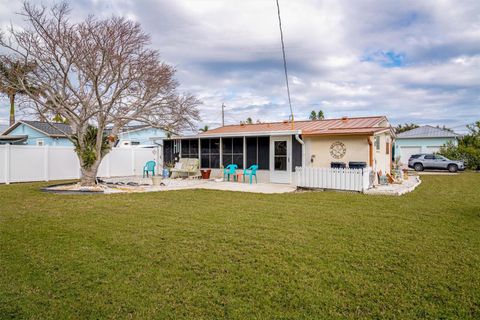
[284, 61]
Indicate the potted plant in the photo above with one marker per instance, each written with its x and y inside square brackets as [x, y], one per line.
[156, 180]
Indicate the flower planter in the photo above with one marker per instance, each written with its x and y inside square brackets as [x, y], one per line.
[205, 174]
[156, 180]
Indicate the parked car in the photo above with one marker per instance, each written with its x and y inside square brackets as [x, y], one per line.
[422, 161]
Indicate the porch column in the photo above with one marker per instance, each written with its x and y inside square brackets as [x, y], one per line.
[199, 154]
[221, 152]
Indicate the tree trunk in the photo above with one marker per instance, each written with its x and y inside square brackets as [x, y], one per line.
[12, 109]
[88, 176]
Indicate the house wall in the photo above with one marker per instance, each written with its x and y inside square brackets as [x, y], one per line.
[423, 143]
[318, 150]
[33, 135]
[143, 136]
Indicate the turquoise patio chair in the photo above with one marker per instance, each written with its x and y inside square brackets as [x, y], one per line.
[230, 170]
[149, 167]
[252, 172]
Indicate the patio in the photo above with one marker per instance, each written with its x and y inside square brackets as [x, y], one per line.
[139, 184]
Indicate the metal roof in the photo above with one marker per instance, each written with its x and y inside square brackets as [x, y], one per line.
[427, 132]
[360, 125]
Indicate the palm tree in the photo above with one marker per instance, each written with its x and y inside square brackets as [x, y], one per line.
[10, 73]
[320, 115]
[204, 129]
[313, 115]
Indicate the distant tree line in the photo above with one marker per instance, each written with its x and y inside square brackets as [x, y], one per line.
[467, 149]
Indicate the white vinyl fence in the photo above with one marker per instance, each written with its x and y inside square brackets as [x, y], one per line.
[333, 178]
[20, 163]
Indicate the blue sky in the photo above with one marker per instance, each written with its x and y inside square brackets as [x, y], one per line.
[413, 61]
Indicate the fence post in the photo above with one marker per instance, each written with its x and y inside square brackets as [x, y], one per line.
[45, 165]
[7, 164]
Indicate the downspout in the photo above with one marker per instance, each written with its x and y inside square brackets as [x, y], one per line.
[297, 137]
[370, 151]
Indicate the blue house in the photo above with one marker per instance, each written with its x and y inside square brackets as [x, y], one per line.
[425, 139]
[40, 133]
[139, 135]
[37, 133]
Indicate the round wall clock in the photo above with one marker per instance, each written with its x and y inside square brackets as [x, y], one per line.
[338, 150]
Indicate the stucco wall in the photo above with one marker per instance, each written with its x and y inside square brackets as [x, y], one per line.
[357, 149]
[33, 135]
[318, 149]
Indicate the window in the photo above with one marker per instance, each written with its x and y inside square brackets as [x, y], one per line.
[429, 157]
[40, 142]
[210, 153]
[258, 152]
[377, 143]
[190, 148]
[280, 153]
[135, 143]
[232, 151]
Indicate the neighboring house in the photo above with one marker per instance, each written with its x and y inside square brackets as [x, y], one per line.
[425, 139]
[279, 147]
[42, 133]
[37, 133]
[140, 135]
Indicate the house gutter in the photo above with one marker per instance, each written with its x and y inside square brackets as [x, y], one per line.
[297, 137]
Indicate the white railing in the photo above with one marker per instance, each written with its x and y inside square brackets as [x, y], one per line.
[32, 163]
[333, 178]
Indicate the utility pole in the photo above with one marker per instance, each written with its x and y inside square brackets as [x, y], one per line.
[223, 114]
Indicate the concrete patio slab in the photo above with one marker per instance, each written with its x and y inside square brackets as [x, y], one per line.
[145, 185]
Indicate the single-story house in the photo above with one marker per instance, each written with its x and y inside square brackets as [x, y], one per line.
[279, 147]
[37, 133]
[424, 139]
[139, 135]
[53, 134]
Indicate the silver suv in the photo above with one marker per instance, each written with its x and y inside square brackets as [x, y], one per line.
[422, 161]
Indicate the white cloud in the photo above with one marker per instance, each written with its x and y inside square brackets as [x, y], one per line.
[229, 51]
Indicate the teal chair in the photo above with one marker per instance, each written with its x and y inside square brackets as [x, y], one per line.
[149, 167]
[230, 170]
[252, 172]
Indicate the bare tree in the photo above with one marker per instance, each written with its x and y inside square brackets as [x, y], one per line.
[96, 74]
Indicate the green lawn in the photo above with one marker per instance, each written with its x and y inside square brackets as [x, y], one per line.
[209, 254]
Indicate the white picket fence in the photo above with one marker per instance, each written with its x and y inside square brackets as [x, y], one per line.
[20, 163]
[333, 178]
